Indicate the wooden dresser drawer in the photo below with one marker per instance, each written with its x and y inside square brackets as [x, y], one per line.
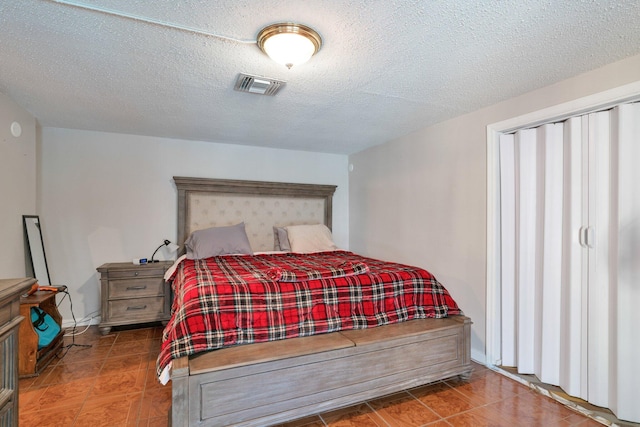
[136, 308]
[119, 289]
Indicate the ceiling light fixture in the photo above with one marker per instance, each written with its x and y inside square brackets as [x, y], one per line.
[289, 44]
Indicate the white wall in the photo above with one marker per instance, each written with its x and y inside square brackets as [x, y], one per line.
[422, 199]
[110, 197]
[17, 185]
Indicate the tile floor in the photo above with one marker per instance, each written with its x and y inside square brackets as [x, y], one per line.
[112, 383]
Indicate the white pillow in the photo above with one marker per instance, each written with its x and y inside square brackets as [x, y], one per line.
[310, 238]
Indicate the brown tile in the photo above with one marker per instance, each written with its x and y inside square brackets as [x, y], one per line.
[531, 409]
[40, 379]
[442, 399]
[28, 397]
[110, 410]
[154, 422]
[113, 383]
[115, 364]
[156, 344]
[155, 403]
[576, 419]
[488, 388]
[478, 367]
[134, 335]
[90, 337]
[152, 355]
[313, 421]
[587, 422]
[152, 382]
[480, 417]
[79, 354]
[63, 416]
[121, 348]
[353, 416]
[25, 383]
[402, 409]
[157, 332]
[104, 341]
[64, 394]
[67, 372]
[120, 383]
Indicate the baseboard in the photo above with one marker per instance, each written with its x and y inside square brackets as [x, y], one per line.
[68, 324]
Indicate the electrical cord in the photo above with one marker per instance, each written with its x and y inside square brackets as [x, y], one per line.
[139, 18]
[75, 325]
[90, 317]
[76, 333]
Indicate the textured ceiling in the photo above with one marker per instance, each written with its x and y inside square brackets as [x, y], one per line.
[386, 68]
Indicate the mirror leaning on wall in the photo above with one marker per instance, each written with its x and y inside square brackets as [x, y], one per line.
[35, 258]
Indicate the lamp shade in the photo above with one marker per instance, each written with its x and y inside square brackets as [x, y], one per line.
[289, 44]
[172, 247]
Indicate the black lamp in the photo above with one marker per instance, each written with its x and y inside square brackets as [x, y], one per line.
[171, 246]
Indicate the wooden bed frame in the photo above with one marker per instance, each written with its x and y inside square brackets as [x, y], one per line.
[268, 383]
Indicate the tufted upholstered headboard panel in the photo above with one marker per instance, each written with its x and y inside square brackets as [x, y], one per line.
[204, 203]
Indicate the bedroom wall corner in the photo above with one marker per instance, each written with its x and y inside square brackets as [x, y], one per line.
[427, 208]
[17, 183]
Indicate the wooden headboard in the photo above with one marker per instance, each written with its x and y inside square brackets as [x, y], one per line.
[204, 203]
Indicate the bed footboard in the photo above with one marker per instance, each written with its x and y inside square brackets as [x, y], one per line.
[268, 383]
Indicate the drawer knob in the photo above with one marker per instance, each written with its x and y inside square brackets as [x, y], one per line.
[136, 288]
[136, 273]
[136, 307]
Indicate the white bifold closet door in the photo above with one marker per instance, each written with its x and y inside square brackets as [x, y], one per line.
[624, 360]
[570, 255]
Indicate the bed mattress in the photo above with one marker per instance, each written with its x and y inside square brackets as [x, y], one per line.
[241, 299]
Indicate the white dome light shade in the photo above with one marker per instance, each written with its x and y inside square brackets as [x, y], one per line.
[289, 44]
[289, 49]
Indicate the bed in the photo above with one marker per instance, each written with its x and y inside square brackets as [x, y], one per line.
[259, 376]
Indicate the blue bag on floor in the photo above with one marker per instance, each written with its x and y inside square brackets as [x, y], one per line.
[46, 328]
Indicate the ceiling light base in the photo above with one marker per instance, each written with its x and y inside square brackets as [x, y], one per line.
[288, 43]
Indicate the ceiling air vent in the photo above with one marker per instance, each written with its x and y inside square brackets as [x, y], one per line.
[258, 85]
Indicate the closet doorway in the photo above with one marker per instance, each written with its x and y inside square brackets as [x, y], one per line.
[565, 255]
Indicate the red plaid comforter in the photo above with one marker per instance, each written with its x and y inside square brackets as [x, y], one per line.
[241, 299]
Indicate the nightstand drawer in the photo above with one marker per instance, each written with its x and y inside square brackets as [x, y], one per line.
[136, 308]
[136, 288]
[143, 271]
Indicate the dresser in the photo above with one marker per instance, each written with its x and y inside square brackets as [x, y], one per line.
[133, 294]
[10, 319]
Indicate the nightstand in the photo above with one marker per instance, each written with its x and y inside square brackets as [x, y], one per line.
[132, 294]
